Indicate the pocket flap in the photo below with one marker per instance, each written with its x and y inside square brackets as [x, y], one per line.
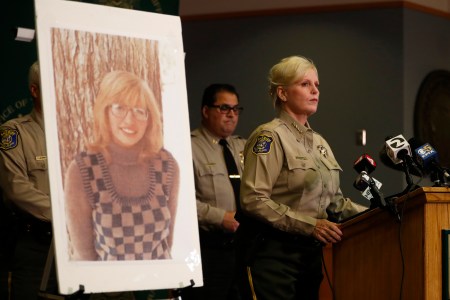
[209, 169]
[300, 162]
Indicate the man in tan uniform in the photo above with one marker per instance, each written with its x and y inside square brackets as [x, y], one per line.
[25, 187]
[216, 200]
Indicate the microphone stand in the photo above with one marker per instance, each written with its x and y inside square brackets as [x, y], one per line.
[437, 179]
[445, 179]
[408, 177]
[439, 176]
[379, 200]
[407, 164]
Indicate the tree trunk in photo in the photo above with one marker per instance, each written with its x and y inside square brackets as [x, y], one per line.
[80, 60]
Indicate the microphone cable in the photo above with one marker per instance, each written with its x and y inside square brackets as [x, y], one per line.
[400, 215]
[328, 276]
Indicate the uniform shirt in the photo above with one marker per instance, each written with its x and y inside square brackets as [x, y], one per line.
[291, 177]
[213, 189]
[23, 165]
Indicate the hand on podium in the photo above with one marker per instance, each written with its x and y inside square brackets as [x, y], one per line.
[327, 232]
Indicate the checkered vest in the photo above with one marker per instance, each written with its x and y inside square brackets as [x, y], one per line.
[129, 228]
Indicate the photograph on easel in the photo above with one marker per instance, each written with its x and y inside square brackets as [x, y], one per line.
[120, 183]
[117, 130]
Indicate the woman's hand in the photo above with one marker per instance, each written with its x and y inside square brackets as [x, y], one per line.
[327, 232]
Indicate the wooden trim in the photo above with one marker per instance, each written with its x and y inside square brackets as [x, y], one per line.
[421, 196]
[316, 9]
[371, 249]
[427, 10]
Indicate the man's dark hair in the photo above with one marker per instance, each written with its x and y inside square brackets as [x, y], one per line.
[209, 95]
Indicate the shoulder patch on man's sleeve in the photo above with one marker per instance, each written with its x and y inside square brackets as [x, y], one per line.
[8, 138]
[262, 144]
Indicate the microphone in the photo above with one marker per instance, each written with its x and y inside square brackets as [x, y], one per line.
[398, 149]
[427, 157]
[386, 160]
[369, 186]
[362, 182]
[370, 189]
[365, 163]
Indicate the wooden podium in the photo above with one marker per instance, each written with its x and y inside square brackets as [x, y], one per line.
[381, 258]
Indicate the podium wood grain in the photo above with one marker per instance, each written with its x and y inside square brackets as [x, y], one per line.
[367, 263]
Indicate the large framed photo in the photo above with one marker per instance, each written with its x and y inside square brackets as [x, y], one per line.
[118, 147]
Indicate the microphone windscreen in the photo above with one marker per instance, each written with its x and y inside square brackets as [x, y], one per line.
[365, 163]
[397, 148]
[427, 157]
[424, 154]
[386, 160]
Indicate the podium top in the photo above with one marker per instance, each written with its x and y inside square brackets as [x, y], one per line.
[419, 196]
[430, 194]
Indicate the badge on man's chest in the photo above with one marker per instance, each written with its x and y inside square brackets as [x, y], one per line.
[323, 151]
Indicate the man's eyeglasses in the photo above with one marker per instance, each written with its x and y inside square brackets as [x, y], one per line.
[120, 111]
[225, 109]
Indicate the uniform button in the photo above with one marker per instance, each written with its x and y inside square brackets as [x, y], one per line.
[325, 186]
[309, 151]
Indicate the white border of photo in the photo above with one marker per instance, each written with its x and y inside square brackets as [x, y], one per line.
[106, 276]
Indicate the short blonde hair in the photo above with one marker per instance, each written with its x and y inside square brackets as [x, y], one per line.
[33, 75]
[286, 72]
[125, 88]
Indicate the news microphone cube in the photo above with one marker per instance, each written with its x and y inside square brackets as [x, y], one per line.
[396, 148]
[425, 155]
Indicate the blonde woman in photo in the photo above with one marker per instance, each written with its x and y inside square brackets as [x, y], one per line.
[121, 194]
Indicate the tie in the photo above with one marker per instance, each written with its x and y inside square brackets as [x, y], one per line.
[232, 169]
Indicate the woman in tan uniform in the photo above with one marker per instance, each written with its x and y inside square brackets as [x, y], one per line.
[121, 195]
[289, 192]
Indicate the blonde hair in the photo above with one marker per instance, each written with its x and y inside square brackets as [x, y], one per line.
[286, 72]
[127, 89]
[33, 75]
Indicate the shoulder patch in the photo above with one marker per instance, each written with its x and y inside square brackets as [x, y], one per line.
[262, 144]
[8, 138]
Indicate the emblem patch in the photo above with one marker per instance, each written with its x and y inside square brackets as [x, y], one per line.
[262, 144]
[8, 138]
[323, 151]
